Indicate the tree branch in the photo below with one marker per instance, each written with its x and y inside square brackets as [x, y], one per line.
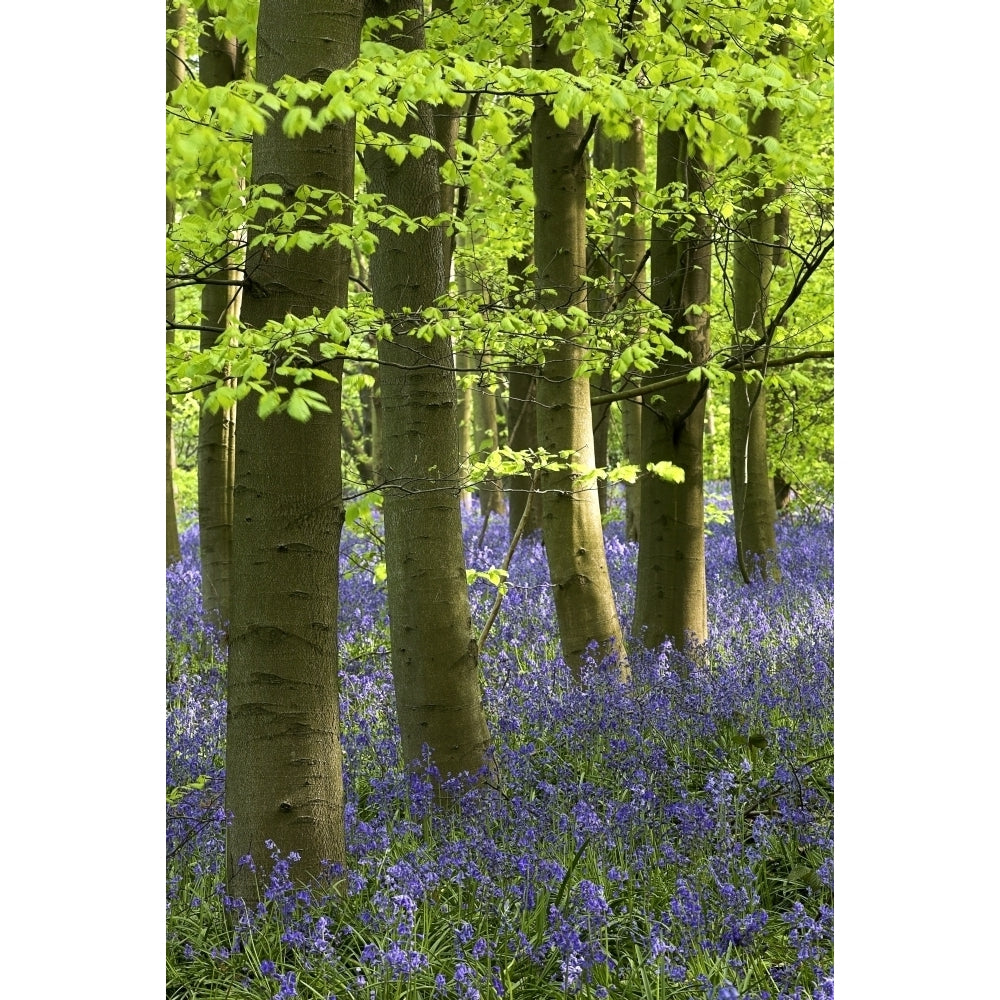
[666, 383]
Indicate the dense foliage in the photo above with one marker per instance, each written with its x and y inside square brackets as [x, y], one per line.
[672, 838]
[476, 66]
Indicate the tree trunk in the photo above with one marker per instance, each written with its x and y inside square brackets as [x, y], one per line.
[670, 600]
[284, 778]
[435, 662]
[478, 424]
[522, 423]
[753, 493]
[354, 445]
[631, 410]
[571, 518]
[216, 431]
[630, 249]
[602, 416]
[480, 434]
[487, 439]
[173, 535]
[600, 298]
[175, 73]
[447, 121]
[371, 402]
[466, 419]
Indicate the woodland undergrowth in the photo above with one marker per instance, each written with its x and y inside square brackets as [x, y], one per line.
[672, 838]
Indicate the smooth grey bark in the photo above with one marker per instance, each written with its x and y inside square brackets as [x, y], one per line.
[466, 419]
[447, 121]
[217, 67]
[631, 286]
[435, 659]
[284, 767]
[354, 446]
[371, 402]
[671, 598]
[173, 540]
[600, 301]
[571, 516]
[602, 416]
[487, 439]
[522, 421]
[753, 258]
[480, 430]
[631, 416]
[175, 73]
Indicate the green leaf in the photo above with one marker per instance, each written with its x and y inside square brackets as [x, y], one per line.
[306, 240]
[497, 127]
[269, 402]
[341, 106]
[397, 154]
[624, 474]
[298, 408]
[667, 471]
[296, 121]
[597, 38]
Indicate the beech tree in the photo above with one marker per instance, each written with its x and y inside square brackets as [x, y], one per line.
[435, 658]
[671, 599]
[175, 72]
[468, 132]
[571, 515]
[522, 383]
[217, 67]
[631, 288]
[486, 433]
[754, 259]
[749, 475]
[284, 776]
[480, 426]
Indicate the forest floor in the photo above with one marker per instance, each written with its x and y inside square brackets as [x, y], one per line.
[672, 838]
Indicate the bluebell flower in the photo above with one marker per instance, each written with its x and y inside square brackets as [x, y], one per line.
[691, 830]
[286, 982]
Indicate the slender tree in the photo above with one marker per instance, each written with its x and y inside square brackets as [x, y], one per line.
[754, 257]
[670, 599]
[371, 402]
[435, 659]
[571, 516]
[465, 365]
[284, 778]
[522, 436]
[522, 421]
[217, 67]
[632, 286]
[447, 122]
[173, 534]
[354, 446]
[480, 430]
[600, 301]
[175, 74]
[487, 439]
